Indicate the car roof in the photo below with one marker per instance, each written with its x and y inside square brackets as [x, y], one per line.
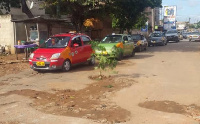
[118, 34]
[67, 34]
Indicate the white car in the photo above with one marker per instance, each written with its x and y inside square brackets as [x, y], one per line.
[194, 36]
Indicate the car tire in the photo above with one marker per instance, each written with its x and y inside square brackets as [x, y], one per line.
[140, 48]
[92, 60]
[133, 53]
[163, 43]
[145, 48]
[66, 65]
[120, 57]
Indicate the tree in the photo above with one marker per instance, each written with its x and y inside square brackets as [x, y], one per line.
[126, 14]
[79, 10]
[7, 4]
[104, 62]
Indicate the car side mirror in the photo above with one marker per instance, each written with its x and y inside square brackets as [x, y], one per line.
[126, 41]
[76, 45]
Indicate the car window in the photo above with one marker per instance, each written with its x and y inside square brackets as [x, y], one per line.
[156, 35]
[76, 40]
[171, 31]
[125, 38]
[86, 40]
[136, 37]
[129, 38]
[112, 39]
[56, 42]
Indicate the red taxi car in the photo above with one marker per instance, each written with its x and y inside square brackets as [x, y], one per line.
[61, 51]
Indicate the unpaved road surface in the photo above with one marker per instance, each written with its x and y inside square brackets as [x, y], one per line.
[157, 86]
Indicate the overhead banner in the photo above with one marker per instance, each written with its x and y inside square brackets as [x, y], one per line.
[169, 17]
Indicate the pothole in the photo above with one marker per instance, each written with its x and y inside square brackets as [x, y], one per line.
[92, 102]
[192, 111]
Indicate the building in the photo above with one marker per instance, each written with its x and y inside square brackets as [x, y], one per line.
[16, 26]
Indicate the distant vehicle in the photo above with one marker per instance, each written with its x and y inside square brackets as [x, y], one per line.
[185, 34]
[172, 35]
[122, 41]
[194, 36]
[157, 38]
[180, 34]
[61, 51]
[140, 42]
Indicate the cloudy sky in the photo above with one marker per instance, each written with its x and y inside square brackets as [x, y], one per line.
[185, 9]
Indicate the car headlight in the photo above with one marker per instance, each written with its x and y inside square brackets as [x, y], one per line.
[55, 56]
[31, 56]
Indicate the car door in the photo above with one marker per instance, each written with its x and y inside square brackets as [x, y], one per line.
[127, 45]
[77, 50]
[87, 47]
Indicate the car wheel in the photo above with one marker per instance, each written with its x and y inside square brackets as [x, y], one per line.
[140, 48]
[120, 57]
[92, 60]
[133, 53]
[66, 65]
[145, 48]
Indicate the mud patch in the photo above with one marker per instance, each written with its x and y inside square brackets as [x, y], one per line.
[192, 111]
[2, 84]
[93, 102]
[12, 122]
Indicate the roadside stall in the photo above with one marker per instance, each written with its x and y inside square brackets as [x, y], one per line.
[36, 31]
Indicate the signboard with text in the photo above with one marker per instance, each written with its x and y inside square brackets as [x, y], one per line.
[169, 17]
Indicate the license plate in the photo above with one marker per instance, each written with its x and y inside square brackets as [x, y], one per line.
[40, 63]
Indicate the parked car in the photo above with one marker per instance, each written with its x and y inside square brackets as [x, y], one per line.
[194, 36]
[172, 35]
[121, 41]
[184, 35]
[157, 38]
[140, 42]
[180, 34]
[61, 51]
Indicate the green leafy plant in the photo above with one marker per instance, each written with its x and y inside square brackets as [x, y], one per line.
[107, 61]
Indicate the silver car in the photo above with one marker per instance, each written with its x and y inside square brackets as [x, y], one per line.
[194, 36]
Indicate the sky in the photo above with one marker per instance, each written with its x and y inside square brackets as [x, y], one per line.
[185, 9]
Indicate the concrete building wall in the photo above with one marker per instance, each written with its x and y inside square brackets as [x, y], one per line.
[6, 32]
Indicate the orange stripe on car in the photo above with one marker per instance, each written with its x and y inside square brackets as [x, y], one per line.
[120, 45]
[66, 54]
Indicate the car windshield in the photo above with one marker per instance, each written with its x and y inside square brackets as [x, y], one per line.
[112, 39]
[156, 35]
[136, 37]
[171, 31]
[195, 33]
[57, 42]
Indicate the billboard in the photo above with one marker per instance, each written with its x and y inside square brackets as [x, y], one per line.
[169, 17]
[170, 11]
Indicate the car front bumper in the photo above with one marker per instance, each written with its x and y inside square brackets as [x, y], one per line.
[46, 66]
[155, 42]
[172, 38]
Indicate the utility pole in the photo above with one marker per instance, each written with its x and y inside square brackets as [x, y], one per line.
[189, 20]
[153, 20]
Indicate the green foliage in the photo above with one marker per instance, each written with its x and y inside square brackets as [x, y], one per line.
[105, 61]
[6, 4]
[109, 86]
[129, 14]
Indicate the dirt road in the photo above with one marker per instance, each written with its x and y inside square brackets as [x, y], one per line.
[159, 86]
